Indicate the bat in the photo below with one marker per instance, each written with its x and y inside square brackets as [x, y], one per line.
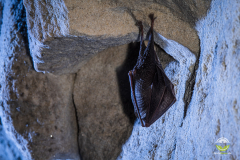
[152, 92]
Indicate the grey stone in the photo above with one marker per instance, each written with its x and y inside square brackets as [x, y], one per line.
[67, 55]
[213, 110]
[83, 106]
[57, 30]
[37, 110]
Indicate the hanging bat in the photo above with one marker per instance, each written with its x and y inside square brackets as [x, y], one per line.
[152, 92]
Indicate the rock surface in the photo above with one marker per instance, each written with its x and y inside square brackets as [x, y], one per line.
[158, 141]
[85, 107]
[103, 101]
[37, 110]
[213, 111]
[65, 35]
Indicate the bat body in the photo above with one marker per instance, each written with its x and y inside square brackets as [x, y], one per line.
[152, 92]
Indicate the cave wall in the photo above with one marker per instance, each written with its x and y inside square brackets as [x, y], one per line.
[213, 111]
[65, 92]
[65, 35]
[37, 111]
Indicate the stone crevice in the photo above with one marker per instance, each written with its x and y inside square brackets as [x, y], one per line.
[77, 119]
[190, 86]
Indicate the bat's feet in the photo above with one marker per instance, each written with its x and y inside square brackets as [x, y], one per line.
[151, 16]
[139, 24]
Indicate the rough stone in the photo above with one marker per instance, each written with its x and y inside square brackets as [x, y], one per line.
[90, 113]
[102, 23]
[37, 111]
[213, 111]
[158, 141]
[103, 101]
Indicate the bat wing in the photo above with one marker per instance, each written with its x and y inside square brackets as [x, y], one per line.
[151, 102]
[163, 96]
[151, 90]
[140, 94]
[133, 97]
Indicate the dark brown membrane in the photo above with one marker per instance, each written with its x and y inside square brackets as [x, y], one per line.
[151, 91]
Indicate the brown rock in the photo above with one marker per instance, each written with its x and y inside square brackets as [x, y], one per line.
[65, 35]
[37, 107]
[63, 38]
[103, 101]
[42, 112]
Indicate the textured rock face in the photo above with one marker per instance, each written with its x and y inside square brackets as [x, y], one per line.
[103, 101]
[85, 107]
[158, 141]
[37, 110]
[213, 111]
[65, 35]
[105, 118]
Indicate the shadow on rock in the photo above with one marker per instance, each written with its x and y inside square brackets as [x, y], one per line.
[123, 80]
